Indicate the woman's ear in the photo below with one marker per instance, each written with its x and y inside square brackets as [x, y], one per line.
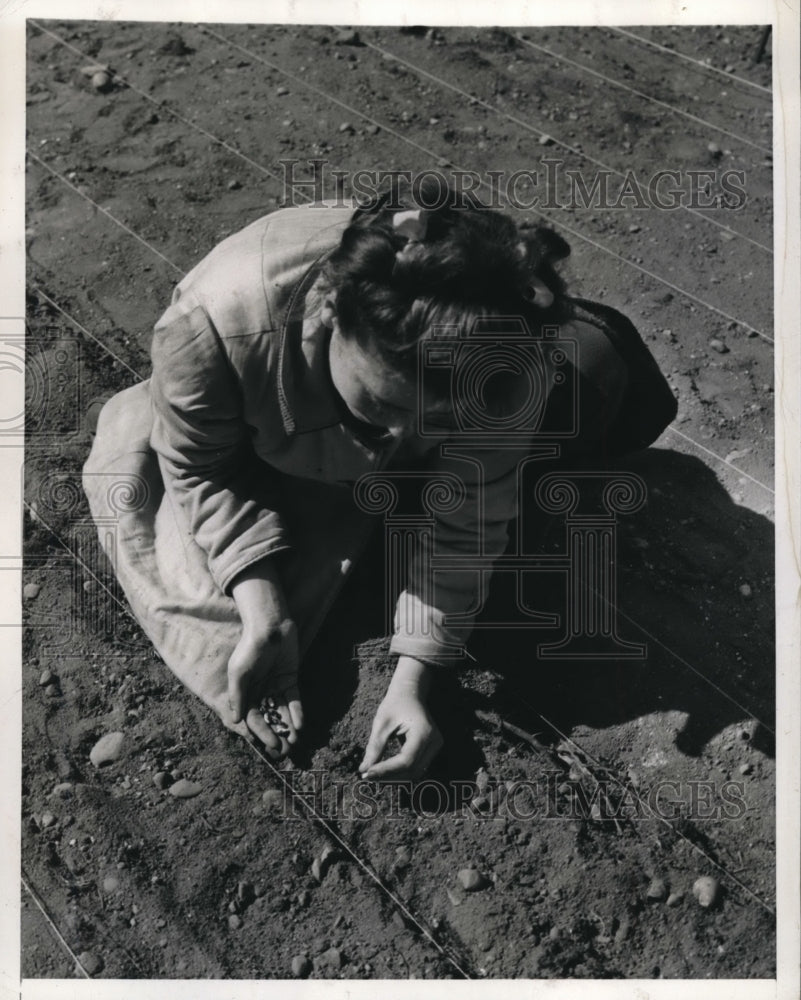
[328, 313]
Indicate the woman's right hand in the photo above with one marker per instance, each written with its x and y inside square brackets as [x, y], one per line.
[262, 666]
[265, 662]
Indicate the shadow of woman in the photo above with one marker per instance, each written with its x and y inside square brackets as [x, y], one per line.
[694, 575]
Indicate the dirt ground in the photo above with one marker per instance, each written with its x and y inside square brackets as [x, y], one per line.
[550, 766]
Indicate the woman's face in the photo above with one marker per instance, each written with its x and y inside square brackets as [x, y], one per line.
[374, 393]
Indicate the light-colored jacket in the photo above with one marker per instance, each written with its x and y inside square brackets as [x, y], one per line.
[241, 392]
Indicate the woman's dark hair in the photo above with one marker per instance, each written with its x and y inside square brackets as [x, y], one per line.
[474, 265]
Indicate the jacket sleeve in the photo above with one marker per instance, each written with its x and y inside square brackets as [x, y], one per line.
[204, 450]
[435, 612]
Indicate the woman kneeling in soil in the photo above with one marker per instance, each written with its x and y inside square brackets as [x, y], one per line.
[295, 360]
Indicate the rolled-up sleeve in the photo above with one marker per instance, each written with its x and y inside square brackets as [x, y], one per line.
[204, 449]
[435, 612]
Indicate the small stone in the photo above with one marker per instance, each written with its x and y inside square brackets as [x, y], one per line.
[101, 81]
[64, 790]
[282, 91]
[714, 150]
[91, 963]
[745, 590]
[52, 691]
[472, 880]
[675, 898]
[48, 819]
[234, 185]
[706, 890]
[346, 127]
[31, 591]
[304, 898]
[348, 38]
[546, 140]
[301, 966]
[657, 890]
[273, 799]
[111, 883]
[727, 236]
[403, 857]
[719, 346]
[634, 228]
[184, 789]
[162, 780]
[623, 930]
[47, 677]
[456, 898]
[234, 922]
[746, 768]
[373, 129]
[107, 749]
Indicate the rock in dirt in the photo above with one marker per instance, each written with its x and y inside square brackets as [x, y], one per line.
[301, 966]
[31, 591]
[101, 81]
[718, 345]
[706, 890]
[47, 677]
[546, 140]
[329, 962]
[92, 963]
[472, 880]
[675, 898]
[745, 590]
[107, 749]
[48, 819]
[185, 789]
[162, 780]
[64, 790]
[273, 799]
[656, 891]
[234, 922]
[403, 857]
[111, 883]
[746, 768]
[52, 691]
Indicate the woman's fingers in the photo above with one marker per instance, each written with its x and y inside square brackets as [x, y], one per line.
[375, 746]
[275, 745]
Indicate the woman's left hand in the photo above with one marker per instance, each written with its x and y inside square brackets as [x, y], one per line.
[403, 713]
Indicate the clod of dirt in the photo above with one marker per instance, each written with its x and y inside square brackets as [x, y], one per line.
[719, 346]
[162, 780]
[52, 691]
[348, 38]
[546, 140]
[282, 92]
[185, 789]
[301, 966]
[111, 883]
[329, 962]
[714, 150]
[706, 890]
[346, 127]
[63, 790]
[234, 185]
[746, 768]
[234, 922]
[403, 857]
[47, 677]
[175, 46]
[48, 819]
[245, 893]
[656, 891]
[92, 963]
[107, 749]
[745, 590]
[273, 799]
[675, 898]
[320, 864]
[31, 591]
[373, 129]
[472, 880]
[101, 81]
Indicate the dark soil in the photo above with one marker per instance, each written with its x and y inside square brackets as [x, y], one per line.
[549, 765]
